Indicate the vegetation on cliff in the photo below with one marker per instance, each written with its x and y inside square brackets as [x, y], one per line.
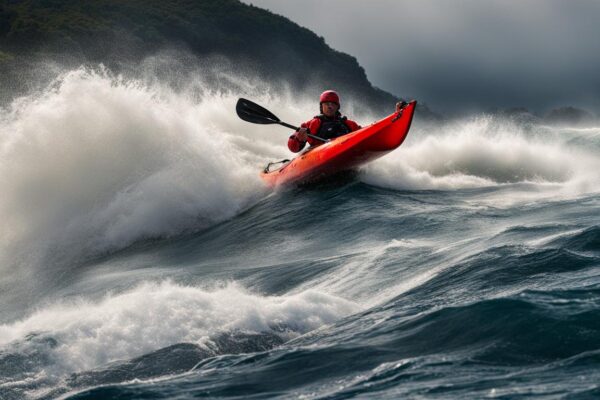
[114, 32]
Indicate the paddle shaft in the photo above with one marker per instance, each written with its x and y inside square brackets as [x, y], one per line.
[288, 125]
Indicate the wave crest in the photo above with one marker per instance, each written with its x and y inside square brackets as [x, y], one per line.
[481, 152]
[97, 162]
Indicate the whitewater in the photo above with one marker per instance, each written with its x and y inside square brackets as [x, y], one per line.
[141, 256]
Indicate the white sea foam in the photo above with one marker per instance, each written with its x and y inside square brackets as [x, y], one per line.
[485, 151]
[97, 162]
[155, 315]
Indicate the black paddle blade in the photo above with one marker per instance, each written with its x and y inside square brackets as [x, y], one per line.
[252, 112]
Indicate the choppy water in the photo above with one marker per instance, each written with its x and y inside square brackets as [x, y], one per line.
[141, 257]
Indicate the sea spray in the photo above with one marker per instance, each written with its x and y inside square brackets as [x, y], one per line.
[96, 163]
[486, 151]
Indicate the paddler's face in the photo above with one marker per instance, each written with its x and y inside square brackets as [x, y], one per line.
[329, 108]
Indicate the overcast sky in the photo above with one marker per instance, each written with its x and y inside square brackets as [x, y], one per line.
[477, 54]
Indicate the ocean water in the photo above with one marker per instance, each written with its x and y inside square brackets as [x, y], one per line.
[141, 257]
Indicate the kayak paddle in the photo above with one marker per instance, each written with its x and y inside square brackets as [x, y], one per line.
[252, 112]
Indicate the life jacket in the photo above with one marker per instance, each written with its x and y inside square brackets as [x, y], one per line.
[320, 126]
[330, 128]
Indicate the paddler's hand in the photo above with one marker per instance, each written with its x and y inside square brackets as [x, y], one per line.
[302, 134]
[400, 105]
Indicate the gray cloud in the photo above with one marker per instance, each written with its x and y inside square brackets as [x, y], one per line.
[466, 54]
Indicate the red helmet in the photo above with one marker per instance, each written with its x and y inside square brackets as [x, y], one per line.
[329, 95]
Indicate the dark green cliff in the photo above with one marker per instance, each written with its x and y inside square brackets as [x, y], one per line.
[118, 32]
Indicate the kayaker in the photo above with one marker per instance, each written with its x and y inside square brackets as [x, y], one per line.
[327, 125]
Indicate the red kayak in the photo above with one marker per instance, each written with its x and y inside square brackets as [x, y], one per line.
[345, 152]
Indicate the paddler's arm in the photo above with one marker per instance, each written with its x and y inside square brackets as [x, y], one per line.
[297, 141]
[353, 126]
